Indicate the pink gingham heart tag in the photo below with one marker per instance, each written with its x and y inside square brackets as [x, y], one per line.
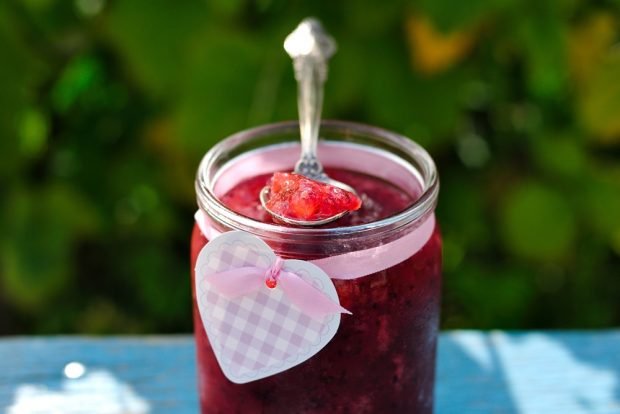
[257, 328]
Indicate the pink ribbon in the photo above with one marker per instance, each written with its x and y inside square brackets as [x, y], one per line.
[358, 263]
[244, 280]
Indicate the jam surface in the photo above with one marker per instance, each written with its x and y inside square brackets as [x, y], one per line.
[381, 360]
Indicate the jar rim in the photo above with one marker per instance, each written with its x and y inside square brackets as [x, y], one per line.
[423, 205]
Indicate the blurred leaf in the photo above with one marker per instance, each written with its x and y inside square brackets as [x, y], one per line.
[39, 5]
[560, 153]
[89, 8]
[602, 204]
[371, 18]
[425, 109]
[467, 224]
[453, 253]
[537, 223]
[543, 38]
[226, 7]
[36, 245]
[218, 90]
[56, 19]
[154, 38]
[433, 51]
[342, 90]
[599, 106]
[158, 285]
[451, 15]
[18, 81]
[33, 132]
[176, 163]
[594, 288]
[473, 151]
[589, 43]
[78, 77]
[512, 289]
[102, 317]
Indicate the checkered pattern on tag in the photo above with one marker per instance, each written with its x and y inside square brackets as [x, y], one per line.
[260, 330]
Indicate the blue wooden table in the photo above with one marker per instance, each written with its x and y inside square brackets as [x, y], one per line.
[478, 372]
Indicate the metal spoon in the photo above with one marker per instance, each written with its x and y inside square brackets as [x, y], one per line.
[310, 47]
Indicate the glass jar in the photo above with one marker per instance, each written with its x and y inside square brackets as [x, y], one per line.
[382, 358]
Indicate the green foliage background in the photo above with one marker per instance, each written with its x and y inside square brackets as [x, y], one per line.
[106, 108]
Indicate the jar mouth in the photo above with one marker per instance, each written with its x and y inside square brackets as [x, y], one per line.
[238, 144]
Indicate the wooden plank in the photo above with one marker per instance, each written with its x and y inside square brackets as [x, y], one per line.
[496, 372]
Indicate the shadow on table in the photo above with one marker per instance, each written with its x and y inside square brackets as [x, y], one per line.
[499, 372]
[470, 376]
[571, 372]
[600, 354]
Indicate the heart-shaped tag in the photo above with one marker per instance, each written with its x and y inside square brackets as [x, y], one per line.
[261, 332]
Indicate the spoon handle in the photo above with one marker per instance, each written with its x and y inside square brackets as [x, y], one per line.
[309, 102]
[310, 47]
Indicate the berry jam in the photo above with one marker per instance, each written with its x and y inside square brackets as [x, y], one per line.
[381, 360]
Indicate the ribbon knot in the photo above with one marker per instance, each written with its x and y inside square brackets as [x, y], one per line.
[244, 280]
[273, 273]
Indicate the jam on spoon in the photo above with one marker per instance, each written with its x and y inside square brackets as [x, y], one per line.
[297, 197]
